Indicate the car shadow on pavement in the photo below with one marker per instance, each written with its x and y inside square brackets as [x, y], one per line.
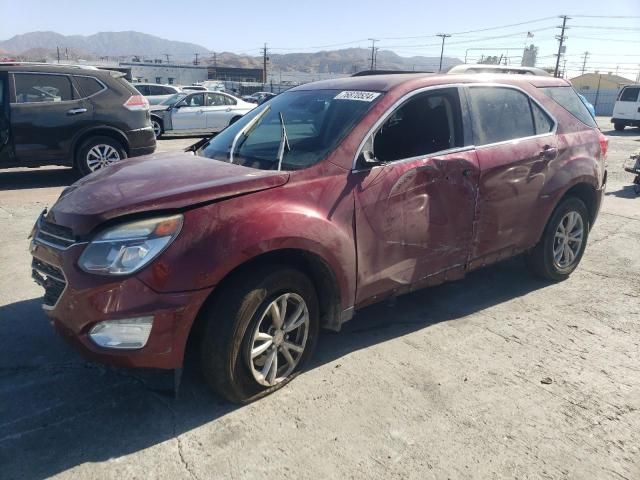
[627, 132]
[627, 191]
[58, 411]
[42, 178]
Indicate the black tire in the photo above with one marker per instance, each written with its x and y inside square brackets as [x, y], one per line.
[82, 162]
[618, 127]
[231, 319]
[234, 120]
[540, 259]
[159, 130]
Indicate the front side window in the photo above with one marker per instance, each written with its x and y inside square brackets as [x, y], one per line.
[427, 123]
[195, 100]
[41, 88]
[499, 114]
[295, 130]
[630, 94]
[568, 99]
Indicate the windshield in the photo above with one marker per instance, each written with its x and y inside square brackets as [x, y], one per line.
[314, 122]
[173, 99]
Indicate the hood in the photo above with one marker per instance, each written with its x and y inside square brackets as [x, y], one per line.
[155, 182]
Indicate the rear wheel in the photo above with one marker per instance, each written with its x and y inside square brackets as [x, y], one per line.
[562, 245]
[618, 126]
[97, 153]
[234, 119]
[260, 332]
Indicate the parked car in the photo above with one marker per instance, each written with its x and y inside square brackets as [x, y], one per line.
[156, 93]
[256, 238]
[62, 115]
[266, 97]
[197, 113]
[194, 88]
[255, 97]
[626, 111]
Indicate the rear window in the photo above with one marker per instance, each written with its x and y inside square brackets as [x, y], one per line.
[570, 101]
[629, 94]
[88, 85]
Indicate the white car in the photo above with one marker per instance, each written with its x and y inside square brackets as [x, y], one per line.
[156, 93]
[197, 113]
[626, 111]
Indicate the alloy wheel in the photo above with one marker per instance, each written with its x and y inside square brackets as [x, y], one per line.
[157, 129]
[100, 156]
[568, 240]
[279, 339]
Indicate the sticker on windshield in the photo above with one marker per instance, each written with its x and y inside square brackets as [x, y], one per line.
[357, 95]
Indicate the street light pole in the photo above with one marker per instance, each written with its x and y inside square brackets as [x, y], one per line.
[443, 36]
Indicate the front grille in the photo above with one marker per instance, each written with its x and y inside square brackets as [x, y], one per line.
[54, 235]
[51, 279]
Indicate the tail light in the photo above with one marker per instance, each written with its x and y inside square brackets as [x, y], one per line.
[604, 145]
[137, 102]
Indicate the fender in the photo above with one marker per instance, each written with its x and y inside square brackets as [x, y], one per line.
[564, 174]
[82, 134]
[247, 227]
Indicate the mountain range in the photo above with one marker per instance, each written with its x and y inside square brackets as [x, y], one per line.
[42, 46]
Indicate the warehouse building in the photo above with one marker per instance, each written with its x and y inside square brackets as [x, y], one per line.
[600, 89]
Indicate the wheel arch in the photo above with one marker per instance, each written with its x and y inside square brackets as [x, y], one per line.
[311, 264]
[105, 131]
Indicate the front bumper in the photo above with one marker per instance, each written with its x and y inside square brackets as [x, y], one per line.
[84, 300]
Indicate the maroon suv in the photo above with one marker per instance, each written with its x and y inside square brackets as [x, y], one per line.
[329, 197]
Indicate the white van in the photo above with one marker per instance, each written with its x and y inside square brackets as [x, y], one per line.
[626, 112]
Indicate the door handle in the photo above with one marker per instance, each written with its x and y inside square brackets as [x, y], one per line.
[548, 153]
[228, 109]
[76, 111]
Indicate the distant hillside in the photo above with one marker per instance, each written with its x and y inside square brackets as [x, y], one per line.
[41, 46]
[104, 44]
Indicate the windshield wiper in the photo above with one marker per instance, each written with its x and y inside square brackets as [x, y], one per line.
[284, 141]
[246, 130]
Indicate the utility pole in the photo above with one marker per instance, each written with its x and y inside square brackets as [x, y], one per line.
[561, 39]
[373, 53]
[195, 62]
[58, 49]
[443, 36]
[584, 62]
[265, 59]
[564, 68]
[167, 55]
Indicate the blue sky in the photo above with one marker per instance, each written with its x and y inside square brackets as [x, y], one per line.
[289, 26]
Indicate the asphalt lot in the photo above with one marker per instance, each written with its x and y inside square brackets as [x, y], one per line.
[446, 383]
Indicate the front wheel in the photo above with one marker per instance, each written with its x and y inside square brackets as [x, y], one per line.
[562, 245]
[260, 332]
[157, 127]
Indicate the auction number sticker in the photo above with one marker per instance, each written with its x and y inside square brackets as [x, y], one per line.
[357, 95]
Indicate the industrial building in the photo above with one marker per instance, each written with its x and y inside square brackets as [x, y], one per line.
[600, 89]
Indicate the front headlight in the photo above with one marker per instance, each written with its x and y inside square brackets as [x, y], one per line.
[126, 248]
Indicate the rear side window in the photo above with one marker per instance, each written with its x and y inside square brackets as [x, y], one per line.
[499, 114]
[229, 101]
[629, 94]
[143, 89]
[42, 88]
[88, 85]
[567, 98]
[215, 99]
[543, 122]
